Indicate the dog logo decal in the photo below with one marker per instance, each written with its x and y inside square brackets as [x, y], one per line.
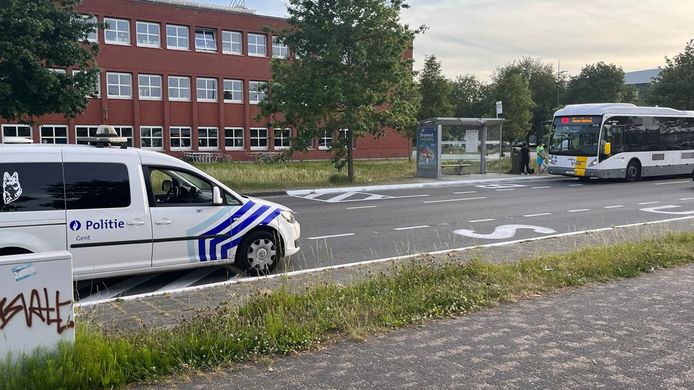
[11, 189]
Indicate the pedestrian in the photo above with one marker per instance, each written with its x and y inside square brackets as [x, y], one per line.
[525, 159]
[540, 158]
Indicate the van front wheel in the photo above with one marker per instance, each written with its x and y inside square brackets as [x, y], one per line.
[258, 253]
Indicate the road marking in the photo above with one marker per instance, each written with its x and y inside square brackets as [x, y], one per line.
[503, 232]
[454, 200]
[118, 288]
[575, 185]
[332, 236]
[672, 182]
[412, 227]
[500, 186]
[685, 199]
[541, 187]
[360, 207]
[661, 210]
[578, 210]
[482, 220]
[614, 207]
[411, 196]
[645, 203]
[374, 261]
[464, 192]
[505, 189]
[536, 215]
[189, 278]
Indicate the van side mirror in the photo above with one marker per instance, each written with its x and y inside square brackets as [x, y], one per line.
[217, 198]
[607, 148]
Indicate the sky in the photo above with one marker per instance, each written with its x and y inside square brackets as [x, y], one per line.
[477, 36]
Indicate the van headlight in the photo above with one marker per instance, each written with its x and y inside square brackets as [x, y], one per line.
[288, 216]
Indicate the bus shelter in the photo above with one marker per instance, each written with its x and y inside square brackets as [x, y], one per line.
[457, 143]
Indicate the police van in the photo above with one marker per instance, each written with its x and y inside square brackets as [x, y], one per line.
[121, 211]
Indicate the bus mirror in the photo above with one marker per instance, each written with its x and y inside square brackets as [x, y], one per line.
[217, 199]
[607, 149]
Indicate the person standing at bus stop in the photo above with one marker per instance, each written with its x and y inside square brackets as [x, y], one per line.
[540, 158]
[525, 159]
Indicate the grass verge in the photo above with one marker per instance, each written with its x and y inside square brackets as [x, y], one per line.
[281, 323]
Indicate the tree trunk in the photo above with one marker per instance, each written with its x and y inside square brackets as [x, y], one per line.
[350, 157]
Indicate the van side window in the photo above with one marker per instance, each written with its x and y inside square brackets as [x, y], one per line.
[31, 187]
[96, 186]
[176, 187]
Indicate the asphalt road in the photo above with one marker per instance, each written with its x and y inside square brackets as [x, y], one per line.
[347, 227]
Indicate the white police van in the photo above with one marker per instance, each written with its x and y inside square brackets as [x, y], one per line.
[124, 211]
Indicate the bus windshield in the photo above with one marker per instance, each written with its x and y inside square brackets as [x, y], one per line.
[575, 136]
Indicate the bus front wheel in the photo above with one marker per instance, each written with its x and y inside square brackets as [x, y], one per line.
[633, 172]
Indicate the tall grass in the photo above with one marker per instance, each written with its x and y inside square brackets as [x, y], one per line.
[282, 322]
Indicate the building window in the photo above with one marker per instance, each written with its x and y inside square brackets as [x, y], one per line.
[326, 141]
[126, 132]
[117, 31]
[207, 138]
[256, 45]
[176, 37]
[279, 50]
[231, 42]
[233, 138]
[254, 94]
[180, 138]
[149, 86]
[82, 132]
[96, 93]
[148, 34]
[281, 138]
[233, 91]
[207, 89]
[205, 40]
[179, 88]
[91, 36]
[119, 85]
[258, 139]
[20, 131]
[53, 134]
[57, 70]
[151, 137]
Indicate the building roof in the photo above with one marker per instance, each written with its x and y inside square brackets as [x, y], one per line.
[618, 109]
[641, 76]
[207, 5]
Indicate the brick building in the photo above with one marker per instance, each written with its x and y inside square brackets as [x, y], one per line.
[180, 76]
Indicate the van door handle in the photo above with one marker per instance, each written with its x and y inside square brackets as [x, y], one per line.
[135, 222]
[164, 221]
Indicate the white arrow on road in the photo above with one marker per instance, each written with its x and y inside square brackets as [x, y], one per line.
[661, 210]
[503, 232]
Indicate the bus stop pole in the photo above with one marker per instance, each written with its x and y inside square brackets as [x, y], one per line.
[501, 143]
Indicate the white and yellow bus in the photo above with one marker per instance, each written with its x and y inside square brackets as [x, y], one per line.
[621, 141]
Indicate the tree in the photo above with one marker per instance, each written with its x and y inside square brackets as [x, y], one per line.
[512, 88]
[469, 97]
[674, 87]
[36, 36]
[597, 83]
[543, 90]
[434, 90]
[350, 73]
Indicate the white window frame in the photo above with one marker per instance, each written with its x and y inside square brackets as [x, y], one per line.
[148, 34]
[120, 85]
[94, 35]
[258, 138]
[57, 70]
[278, 50]
[234, 137]
[149, 87]
[97, 91]
[109, 29]
[254, 46]
[178, 88]
[54, 137]
[234, 91]
[190, 138]
[254, 97]
[206, 40]
[208, 130]
[231, 42]
[151, 137]
[16, 131]
[178, 37]
[92, 129]
[325, 141]
[284, 141]
[210, 84]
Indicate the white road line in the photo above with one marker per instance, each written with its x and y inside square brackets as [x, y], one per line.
[537, 188]
[332, 236]
[360, 207]
[536, 215]
[672, 182]
[118, 288]
[482, 220]
[505, 189]
[614, 207]
[575, 185]
[645, 203]
[375, 261]
[411, 196]
[464, 192]
[454, 200]
[685, 199]
[578, 210]
[411, 227]
[189, 278]
[338, 198]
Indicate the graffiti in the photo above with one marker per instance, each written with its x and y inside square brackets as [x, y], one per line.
[40, 307]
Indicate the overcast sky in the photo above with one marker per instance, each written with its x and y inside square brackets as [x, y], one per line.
[476, 36]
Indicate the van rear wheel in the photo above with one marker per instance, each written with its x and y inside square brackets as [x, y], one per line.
[258, 253]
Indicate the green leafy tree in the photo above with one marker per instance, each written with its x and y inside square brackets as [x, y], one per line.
[470, 98]
[674, 87]
[350, 73]
[36, 36]
[513, 89]
[543, 85]
[434, 91]
[597, 83]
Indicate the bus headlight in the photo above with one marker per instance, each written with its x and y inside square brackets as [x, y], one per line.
[594, 162]
[288, 216]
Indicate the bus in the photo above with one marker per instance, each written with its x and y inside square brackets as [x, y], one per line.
[621, 141]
